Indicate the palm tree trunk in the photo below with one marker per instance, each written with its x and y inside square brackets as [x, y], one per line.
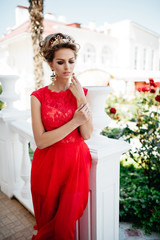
[36, 29]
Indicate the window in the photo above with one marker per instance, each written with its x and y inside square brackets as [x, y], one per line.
[152, 59]
[89, 54]
[144, 58]
[106, 56]
[135, 57]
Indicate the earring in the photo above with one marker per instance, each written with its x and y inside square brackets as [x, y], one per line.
[53, 77]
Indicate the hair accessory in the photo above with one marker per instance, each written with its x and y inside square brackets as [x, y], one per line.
[53, 77]
[59, 39]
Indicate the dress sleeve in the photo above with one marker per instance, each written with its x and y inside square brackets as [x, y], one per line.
[37, 94]
[85, 91]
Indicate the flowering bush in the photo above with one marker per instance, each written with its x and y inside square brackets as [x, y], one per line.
[140, 184]
[113, 108]
[149, 87]
[147, 154]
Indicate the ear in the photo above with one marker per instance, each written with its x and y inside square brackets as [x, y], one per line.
[51, 66]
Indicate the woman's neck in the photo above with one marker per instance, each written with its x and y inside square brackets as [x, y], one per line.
[59, 85]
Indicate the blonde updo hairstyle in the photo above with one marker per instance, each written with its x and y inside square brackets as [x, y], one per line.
[48, 52]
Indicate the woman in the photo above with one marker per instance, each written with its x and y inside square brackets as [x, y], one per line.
[61, 120]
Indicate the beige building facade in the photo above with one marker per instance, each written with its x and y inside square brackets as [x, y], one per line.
[119, 55]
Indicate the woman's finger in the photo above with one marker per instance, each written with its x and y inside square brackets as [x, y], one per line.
[74, 78]
[73, 81]
[71, 84]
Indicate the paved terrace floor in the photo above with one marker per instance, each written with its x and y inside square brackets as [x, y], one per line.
[16, 222]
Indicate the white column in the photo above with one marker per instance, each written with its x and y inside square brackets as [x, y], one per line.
[100, 220]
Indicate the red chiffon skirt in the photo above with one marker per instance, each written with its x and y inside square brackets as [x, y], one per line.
[59, 187]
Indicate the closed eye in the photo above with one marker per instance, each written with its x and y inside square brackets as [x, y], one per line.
[60, 63]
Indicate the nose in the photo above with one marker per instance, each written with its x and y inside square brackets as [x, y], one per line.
[66, 66]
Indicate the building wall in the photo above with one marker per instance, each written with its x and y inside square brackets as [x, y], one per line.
[126, 51]
[144, 49]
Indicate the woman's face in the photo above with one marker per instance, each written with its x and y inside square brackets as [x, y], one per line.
[64, 62]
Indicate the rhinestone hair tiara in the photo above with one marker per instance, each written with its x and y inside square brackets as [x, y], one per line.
[58, 40]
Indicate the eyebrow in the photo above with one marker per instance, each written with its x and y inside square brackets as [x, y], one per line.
[63, 59]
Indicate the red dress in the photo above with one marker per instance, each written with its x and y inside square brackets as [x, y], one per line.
[59, 173]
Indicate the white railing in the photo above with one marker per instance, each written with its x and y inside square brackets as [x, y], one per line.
[21, 133]
[100, 220]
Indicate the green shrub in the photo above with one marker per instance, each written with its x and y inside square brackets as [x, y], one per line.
[139, 204]
[115, 133]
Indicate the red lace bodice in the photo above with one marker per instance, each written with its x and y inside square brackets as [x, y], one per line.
[57, 108]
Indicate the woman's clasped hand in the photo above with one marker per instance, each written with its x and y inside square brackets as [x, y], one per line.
[82, 114]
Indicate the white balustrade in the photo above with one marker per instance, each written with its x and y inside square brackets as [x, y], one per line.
[23, 192]
[13, 153]
[100, 220]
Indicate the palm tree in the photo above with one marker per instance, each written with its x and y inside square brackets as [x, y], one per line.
[36, 29]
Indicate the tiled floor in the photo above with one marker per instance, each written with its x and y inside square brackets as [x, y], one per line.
[15, 221]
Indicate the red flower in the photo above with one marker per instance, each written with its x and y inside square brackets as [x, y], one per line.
[152, 90]
[113, 110]
[146, 88]
[151, 80]
[157, 98]
[155, 85]
[139, 89]
[152, 83]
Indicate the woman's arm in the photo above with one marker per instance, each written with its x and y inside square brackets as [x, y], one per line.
[45, 139]
[86, 129]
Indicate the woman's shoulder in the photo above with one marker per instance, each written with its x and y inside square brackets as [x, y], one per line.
[38, 93]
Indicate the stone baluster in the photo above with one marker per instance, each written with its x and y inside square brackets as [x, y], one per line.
[25, 169]
[8, 94]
